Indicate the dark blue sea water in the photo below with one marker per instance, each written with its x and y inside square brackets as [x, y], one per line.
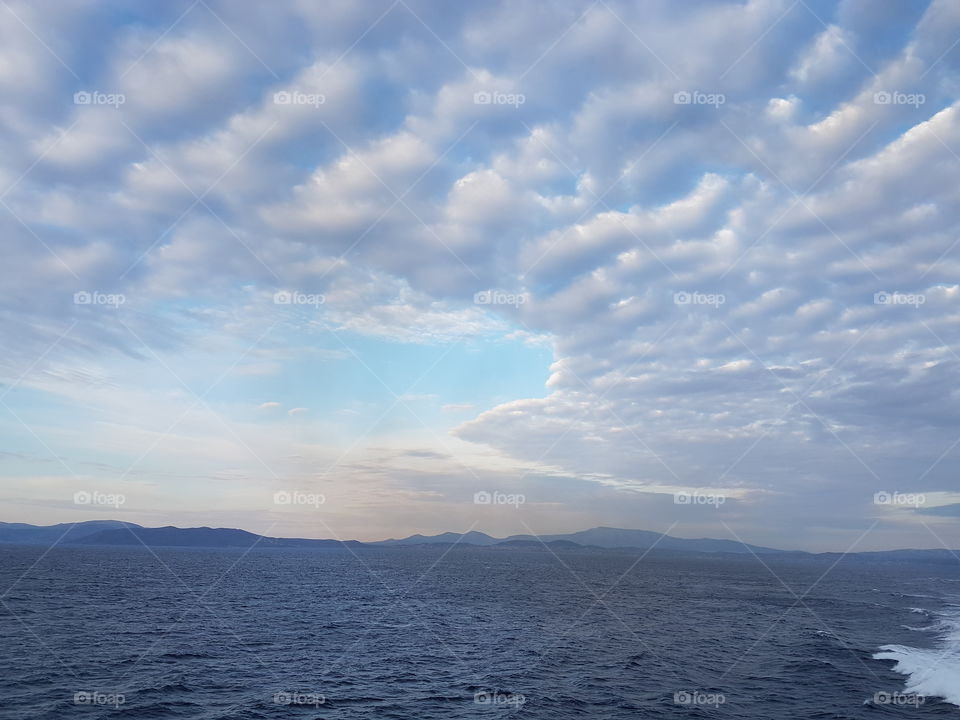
[470, 633]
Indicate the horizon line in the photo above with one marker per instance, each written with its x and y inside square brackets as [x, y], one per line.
[471, 530]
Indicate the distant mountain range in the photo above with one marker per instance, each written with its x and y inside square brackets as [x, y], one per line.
[114, 532]
[117, 533]
[602, 537]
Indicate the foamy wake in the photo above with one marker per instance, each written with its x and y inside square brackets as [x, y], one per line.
[931, 672]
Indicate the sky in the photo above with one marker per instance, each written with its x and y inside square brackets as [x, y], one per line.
[362, 270]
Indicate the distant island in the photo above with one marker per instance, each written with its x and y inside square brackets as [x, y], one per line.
[116, 533]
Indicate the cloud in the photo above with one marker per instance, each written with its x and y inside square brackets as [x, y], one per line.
[457, 407]
[950, 511]
[734, 230]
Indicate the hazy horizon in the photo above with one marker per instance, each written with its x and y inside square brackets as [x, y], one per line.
[673, 532]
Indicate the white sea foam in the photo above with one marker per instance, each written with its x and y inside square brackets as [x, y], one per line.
[925, 628]
[931, 672]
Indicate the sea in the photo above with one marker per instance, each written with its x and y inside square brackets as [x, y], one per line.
[457, 632]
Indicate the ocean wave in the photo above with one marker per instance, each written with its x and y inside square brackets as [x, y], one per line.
[935, 671]
[915, 595]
